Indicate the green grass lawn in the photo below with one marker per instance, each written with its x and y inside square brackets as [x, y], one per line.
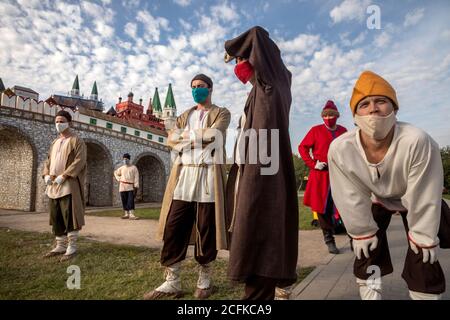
[446, 196]
[107, 271]
[147, 213]
[305, 215]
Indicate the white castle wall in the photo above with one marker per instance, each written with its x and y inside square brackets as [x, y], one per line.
[27, 104]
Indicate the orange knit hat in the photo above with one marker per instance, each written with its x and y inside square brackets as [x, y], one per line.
[371, 84]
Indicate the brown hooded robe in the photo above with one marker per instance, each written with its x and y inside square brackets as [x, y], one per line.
[264, 239]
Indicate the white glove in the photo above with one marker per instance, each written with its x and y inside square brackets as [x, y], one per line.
[48, 180]
[320, 165]
[60, 180]
[364, 246]
[429, 254]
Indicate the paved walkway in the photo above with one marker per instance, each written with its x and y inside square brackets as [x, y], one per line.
[334, 280]
[312, 250]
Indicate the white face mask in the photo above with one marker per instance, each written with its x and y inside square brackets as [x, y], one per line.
[376, 127]
[61, 127]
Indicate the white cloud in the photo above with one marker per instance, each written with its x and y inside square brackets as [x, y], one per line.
[104, 29]
[345, 41]
[383, 39]
[185, 25]
[413, 17]
[385, 36]
[225, 11]
[303, 43]
[131, 29]
[152, 26]
[183, 3]
[349, 10]
[131, 3]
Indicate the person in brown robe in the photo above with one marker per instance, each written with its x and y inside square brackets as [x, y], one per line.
[263, 207]
[64, 174]
[193, 207]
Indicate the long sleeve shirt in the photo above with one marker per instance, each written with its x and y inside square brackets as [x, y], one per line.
[196, 180]
[128, 177]
[58, 158]
[409, 178]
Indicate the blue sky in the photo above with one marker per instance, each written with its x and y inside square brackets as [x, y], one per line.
[141, 44]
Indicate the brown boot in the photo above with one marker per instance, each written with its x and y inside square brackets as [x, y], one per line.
[52, 254]
[157, 295]
[66, 257]
[61, 247]
[204, 293]
[204, 287]
[171, 288]
[72, 247]
[282, 293]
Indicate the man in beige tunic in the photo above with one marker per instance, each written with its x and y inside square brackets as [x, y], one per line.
[378, 169]
[128, 178]
[193, 205]
[64, 174]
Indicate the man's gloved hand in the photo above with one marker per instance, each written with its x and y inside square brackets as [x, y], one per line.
[364, 246]
[48, 180]
[60, 180]
[320, 165]
[429, 254]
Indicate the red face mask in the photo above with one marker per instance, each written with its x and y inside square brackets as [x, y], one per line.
[330, 123]
[244, 71]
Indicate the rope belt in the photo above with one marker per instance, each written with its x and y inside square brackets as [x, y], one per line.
[200, 165]
[126, 182]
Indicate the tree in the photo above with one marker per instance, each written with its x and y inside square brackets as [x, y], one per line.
[301, 171]
[445, 155]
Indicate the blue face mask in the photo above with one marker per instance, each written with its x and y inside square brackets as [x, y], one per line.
[200, 94]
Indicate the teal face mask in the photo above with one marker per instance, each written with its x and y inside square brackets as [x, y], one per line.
[200, 94]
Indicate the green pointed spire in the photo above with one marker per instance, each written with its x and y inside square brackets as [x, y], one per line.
[94, 89]
[76, 84]
[2, 86]
[156, 102]
[170, 100]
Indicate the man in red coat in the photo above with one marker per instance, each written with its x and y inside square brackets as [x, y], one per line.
[318, 193]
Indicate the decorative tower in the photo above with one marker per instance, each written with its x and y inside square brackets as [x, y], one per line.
[157, 110]
[75, 92]
[169, 113]
[94, 93]
[150, 108]
[2, 86]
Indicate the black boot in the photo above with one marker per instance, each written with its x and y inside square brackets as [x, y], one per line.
[329, 241]
[332, 247]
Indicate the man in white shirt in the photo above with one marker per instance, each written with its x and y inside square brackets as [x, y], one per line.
[193, 208]
[128, 178]
[64, 174]
[380, 168]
